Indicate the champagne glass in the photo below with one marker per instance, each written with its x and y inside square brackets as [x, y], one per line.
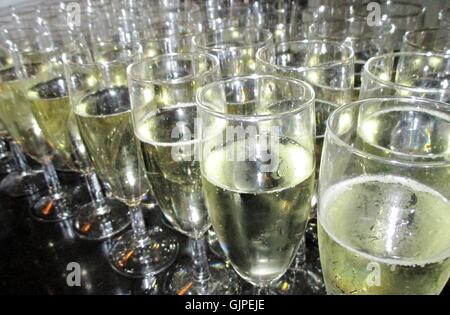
[384, 206]
[17, 114]
[257, 165]
[164, 112]
[50, 104]
[235, 47]
[366, 40]
[407, 74]
[429, 39]
[329, 67]
[405, 16]
[101, 104]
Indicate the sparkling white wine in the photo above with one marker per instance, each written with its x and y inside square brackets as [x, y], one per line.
[172, 169]
[17, 116]
[51, 107]
[384, 235]
[104, 121]
[259, 217]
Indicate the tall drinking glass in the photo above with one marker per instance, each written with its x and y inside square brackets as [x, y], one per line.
[429, 39]
[50, 104]
[407, 74]
[234, 47]
[17, 115]
[101, 104]
[162, 93]
[384, 206]
[257, 164]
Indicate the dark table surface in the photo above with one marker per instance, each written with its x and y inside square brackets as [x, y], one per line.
[35, 255]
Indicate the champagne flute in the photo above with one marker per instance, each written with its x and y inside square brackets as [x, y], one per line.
[329, 67]
[405, 16]
[257, 164]
[50, 104]
[101, 105]
[17, 114]
[384, 202]
[429, 39]
[235, 47]
[416, 74]
[163, 92]
[366, 40]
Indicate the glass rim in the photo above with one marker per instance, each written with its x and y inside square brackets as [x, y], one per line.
[187, 56]
[431, 104]
[254, 118]
[391, 84]
[408, 40]
[267, 34]
[349, 59]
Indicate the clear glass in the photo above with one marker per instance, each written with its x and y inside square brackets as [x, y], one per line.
[50, 104]
[429, 39]
[404, 15]
[257, 165]
[234, 47]
[101, 104]
[327, 66]
[366, 40]
[384, 195]
[407, 74]
[18, 117]
[164, 110]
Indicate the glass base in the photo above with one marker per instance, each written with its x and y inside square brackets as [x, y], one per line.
[55, 209]
[48, 209]
[92, 223]
[19, 184]
[138, 259]
[223, 280]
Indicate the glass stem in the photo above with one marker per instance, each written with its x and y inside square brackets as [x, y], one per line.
[300, 257]
[51, 178]
[201, 267]
[19, 158]
[138, 224]
[96, 193]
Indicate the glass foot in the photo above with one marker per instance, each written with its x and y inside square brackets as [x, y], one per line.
[92, 223]
[22, 184]
[223, 280]
[55, 209]
[48, 209]
[139, 259]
